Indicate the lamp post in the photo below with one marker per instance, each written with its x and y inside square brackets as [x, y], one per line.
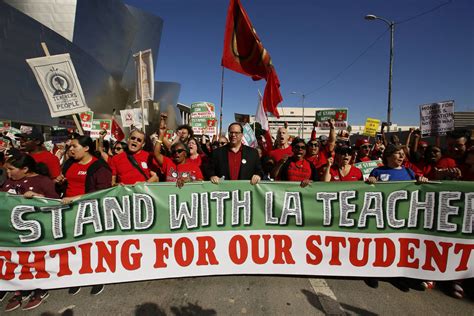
[391, 25]
[302, 116]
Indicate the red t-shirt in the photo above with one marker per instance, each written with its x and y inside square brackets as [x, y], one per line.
[278, 154]
[50, 160]
[185, 170]
[428, 170]
[76, 178]
[235, 159]
[299, 170]
[354, 174]
[126, 173]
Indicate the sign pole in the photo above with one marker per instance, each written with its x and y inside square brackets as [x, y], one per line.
[74, 116]
[141, 90]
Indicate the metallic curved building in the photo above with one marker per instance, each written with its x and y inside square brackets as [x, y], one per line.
[101, 37]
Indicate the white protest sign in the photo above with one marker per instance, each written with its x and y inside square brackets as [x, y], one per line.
[144, 71]
[127, 117]
[437, 118]
[58, 81]
[137, 117]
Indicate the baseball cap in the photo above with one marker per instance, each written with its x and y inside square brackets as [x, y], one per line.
[361, 141]
[34, 134]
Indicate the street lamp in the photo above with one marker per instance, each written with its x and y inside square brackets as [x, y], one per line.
[302, 116]
[391, 25]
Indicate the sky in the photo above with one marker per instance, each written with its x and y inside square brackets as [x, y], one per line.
[327, 51]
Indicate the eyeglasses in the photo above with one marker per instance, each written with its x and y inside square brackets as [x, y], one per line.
[177, 151]
[235, 133]
[299, 147]
[313, 144]
[222, 143]
[138, 139]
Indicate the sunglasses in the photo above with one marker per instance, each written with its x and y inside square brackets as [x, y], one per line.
[222, 143]
[118, 148]
[177, 151]
[138, 139]
[365, 147]
[299, 147]
[313, 144]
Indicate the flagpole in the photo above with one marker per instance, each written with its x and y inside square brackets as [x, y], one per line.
[141, 90]
[222, 102]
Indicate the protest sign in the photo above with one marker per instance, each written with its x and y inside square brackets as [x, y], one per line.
[371, 127]
[25, 129]
[242, 118]
[86, 120]
[249, 138]
[203, 118]
[367, 166]
[143, 232]
[66, 123]
[127, 117]
[436, 118]
[58, 81]
[338, 115]
[145, 83]
[98, 126]
[5, 126]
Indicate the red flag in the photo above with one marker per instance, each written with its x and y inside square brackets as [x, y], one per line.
[117, 131]
[243, 52]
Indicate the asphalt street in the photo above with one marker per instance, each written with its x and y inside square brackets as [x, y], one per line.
[249, 295]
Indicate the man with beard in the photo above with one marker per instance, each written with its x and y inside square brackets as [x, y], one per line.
[32, 143]
[134, 164]
[235, 161]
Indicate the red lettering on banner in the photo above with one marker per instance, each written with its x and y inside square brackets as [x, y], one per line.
[206, 246]
[38, 264]
[107, 255]
[184, 251]
[243, 249]
[86, 267]
[9, 266]
[466, 254]
[354, 248]
[63, 259]
[407, 251]
[162, 252]
[256, 248]
[382, 244]
[440, 258]
[335, 243]
[283, 249]
[125, 255]
[314, 250]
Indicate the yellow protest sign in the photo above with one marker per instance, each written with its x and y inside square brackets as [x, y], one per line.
[371, 127]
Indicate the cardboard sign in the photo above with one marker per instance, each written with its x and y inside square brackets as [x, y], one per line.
[371, 127]
[86, 120]
[338, 115]
[203, 118]
[58, 81]
[98, 126]
[437, 118]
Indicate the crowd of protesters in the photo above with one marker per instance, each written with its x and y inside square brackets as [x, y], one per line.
[82, 166]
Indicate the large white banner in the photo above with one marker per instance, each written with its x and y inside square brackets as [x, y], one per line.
[145, 83]
[58, 81]
[437, 118]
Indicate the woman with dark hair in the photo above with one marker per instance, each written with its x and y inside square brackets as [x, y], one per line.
[23, 179]
[296, 167]
[84, 172]
[340, 168]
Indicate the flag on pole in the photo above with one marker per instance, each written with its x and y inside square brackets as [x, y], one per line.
[117, 131]
[244, 53]
[261, 116]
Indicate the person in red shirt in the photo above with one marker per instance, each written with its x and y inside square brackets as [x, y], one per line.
[363, 150]
[437, 167]
[134, 164]
[284, 148]
[296, 168]
[339, 167]
[83, 172]
[178, 169]
[32, 143]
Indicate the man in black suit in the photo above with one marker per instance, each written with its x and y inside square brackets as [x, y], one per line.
[236, 161]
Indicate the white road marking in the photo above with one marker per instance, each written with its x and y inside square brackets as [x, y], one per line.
[326, 296]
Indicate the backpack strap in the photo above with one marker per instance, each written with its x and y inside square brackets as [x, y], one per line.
[136, 166]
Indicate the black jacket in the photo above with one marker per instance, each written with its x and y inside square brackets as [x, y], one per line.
[249, 166]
